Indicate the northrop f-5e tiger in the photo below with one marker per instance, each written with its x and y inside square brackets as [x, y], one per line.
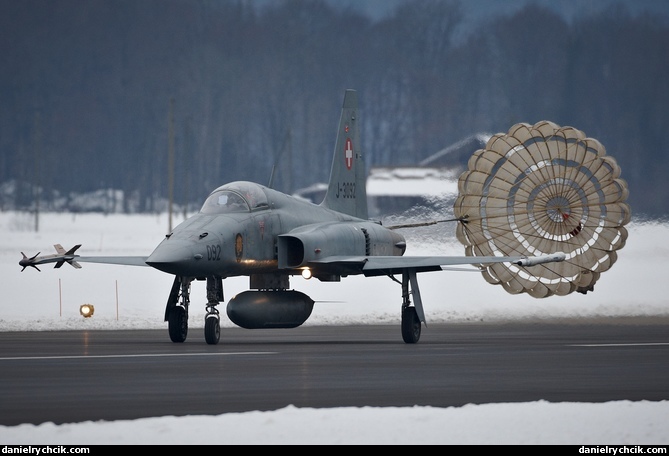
[247, 229]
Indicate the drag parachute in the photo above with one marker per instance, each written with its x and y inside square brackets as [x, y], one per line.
[537, 190]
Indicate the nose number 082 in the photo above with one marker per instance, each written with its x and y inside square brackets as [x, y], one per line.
[214, 253]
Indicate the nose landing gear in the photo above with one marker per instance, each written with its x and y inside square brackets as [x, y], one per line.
[212, 320]
[212, 327]
[176, 312]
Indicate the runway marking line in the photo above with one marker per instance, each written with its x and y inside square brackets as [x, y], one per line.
[155, 355]
[644, 344]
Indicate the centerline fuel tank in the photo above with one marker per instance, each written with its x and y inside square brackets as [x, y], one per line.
[270, 309]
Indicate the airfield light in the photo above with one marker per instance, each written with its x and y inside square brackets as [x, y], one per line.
[86, 310]
[306, 273]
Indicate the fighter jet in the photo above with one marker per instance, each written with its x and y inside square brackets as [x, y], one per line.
[248, 229]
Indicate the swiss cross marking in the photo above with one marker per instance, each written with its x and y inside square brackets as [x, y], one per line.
[348, 153]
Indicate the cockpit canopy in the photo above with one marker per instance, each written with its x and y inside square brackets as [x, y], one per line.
[235, 197]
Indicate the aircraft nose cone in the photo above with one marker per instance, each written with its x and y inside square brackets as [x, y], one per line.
[172, 257]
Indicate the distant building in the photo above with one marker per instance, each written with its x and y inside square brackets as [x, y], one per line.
[397, 191]
[314, 193]
[430, 186]
[457, 155]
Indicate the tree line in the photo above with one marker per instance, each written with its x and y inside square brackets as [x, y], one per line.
[94, 91]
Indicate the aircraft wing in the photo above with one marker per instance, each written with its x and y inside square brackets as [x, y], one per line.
[383, 265]
[123, 260]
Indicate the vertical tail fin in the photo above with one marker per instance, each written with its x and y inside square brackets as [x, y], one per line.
[347, 191]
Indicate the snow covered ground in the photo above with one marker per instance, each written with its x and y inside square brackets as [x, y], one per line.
[134, 297]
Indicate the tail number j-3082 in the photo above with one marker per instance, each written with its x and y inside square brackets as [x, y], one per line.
[345, 190]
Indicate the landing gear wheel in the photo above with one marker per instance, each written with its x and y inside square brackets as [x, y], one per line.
[177, 324]
[411, 325]
[212, 329]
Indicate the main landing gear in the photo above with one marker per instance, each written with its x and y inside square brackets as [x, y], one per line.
[411, 315]
[176, 312]
[212, 320]
[411, 326]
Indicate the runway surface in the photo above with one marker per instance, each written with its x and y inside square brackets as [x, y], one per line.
[74, 376]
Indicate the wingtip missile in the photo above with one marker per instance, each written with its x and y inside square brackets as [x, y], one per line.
[59, 258]
[67, 256]
[25, 262]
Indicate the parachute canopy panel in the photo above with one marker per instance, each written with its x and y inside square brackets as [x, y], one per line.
[537, 190]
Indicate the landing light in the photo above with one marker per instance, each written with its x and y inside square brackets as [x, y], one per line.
[306, 273]
[86, 310]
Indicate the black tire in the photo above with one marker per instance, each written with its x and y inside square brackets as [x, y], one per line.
[411, 325]
[212, 330]
[177, 324]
